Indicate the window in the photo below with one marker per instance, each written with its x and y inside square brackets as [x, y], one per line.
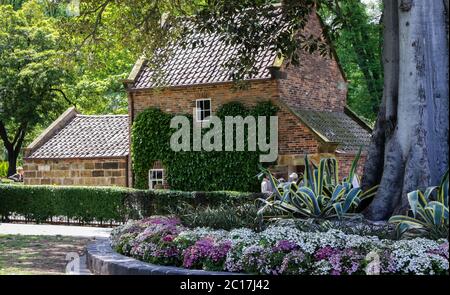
[203, 107]
[155, 177]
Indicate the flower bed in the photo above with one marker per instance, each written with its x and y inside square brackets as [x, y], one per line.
[278, 250]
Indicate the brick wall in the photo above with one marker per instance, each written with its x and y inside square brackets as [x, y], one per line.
[345, 163]
[182, 99]
[85, 172]
[294, 137]
[317, 83]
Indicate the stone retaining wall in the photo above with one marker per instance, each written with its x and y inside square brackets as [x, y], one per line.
[102, 260]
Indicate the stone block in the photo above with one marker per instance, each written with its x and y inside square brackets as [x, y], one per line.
[111, 165]
[98, 173]
[89, 166]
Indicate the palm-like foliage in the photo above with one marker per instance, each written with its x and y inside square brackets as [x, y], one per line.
[319, 193]
[429, 212]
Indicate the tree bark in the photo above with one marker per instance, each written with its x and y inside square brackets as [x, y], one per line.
[12, 162]
[409, 147]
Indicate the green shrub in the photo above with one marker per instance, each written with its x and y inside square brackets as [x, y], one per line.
[194, 171]
[319, 193]
[103, 204]
[429, 213]
[8, 181]
[40, 203]
[162, 202]
[3, 169]
[222, 217]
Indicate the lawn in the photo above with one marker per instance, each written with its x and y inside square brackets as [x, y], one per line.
[37, 255]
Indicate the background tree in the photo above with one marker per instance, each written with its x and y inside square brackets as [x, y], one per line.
[356, 32]
[32, 69]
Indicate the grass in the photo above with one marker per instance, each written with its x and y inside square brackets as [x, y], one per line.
[37, 255]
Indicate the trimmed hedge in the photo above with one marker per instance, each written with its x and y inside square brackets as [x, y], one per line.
[103, 204]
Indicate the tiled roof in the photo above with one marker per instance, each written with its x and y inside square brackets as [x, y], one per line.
[87, 137]
[204, 64]
[336, 127]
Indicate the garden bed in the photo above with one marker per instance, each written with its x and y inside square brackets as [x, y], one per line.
[277, 250]
[103, 260]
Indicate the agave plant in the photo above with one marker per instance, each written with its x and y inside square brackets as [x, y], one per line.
[318, 194]
[429, 212]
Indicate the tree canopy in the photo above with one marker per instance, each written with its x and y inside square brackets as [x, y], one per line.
[32, 70]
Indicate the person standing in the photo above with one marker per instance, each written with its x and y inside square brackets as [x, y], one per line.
[265, 185]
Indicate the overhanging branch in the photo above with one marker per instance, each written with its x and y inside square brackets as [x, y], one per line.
[64, 95]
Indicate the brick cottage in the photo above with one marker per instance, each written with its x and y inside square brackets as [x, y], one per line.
[313, 117]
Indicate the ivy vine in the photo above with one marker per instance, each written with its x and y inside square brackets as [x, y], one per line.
[195, 171]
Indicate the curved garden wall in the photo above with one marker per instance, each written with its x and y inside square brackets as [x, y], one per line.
[102, 260]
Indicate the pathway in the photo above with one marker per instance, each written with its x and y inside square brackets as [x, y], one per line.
[53, 230]
[57, 230]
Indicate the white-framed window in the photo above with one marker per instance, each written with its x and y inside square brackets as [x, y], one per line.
[203, 109]
[155, 177]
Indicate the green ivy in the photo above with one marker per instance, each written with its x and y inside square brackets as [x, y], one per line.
[194, 171]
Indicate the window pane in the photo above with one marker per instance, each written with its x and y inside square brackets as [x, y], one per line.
[203, 110]
[207, 105]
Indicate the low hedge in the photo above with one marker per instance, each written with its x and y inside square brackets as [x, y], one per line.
[105, 204]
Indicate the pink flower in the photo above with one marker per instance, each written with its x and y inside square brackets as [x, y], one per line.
[168, 238]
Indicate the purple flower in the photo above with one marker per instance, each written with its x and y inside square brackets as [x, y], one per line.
[254, 258]
[206, 249]
[346, 261]
[292, 263]
[388, 264]
[442, 250]
[168, 238]
[325, 253]
[284, 246]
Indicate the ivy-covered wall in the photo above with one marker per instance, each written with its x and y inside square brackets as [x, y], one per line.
[195, 171]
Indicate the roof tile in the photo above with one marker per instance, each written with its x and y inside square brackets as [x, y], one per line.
[336, 127]
[88, 137]
[203, 64]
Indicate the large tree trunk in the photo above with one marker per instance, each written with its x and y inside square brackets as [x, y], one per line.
[410, 143]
